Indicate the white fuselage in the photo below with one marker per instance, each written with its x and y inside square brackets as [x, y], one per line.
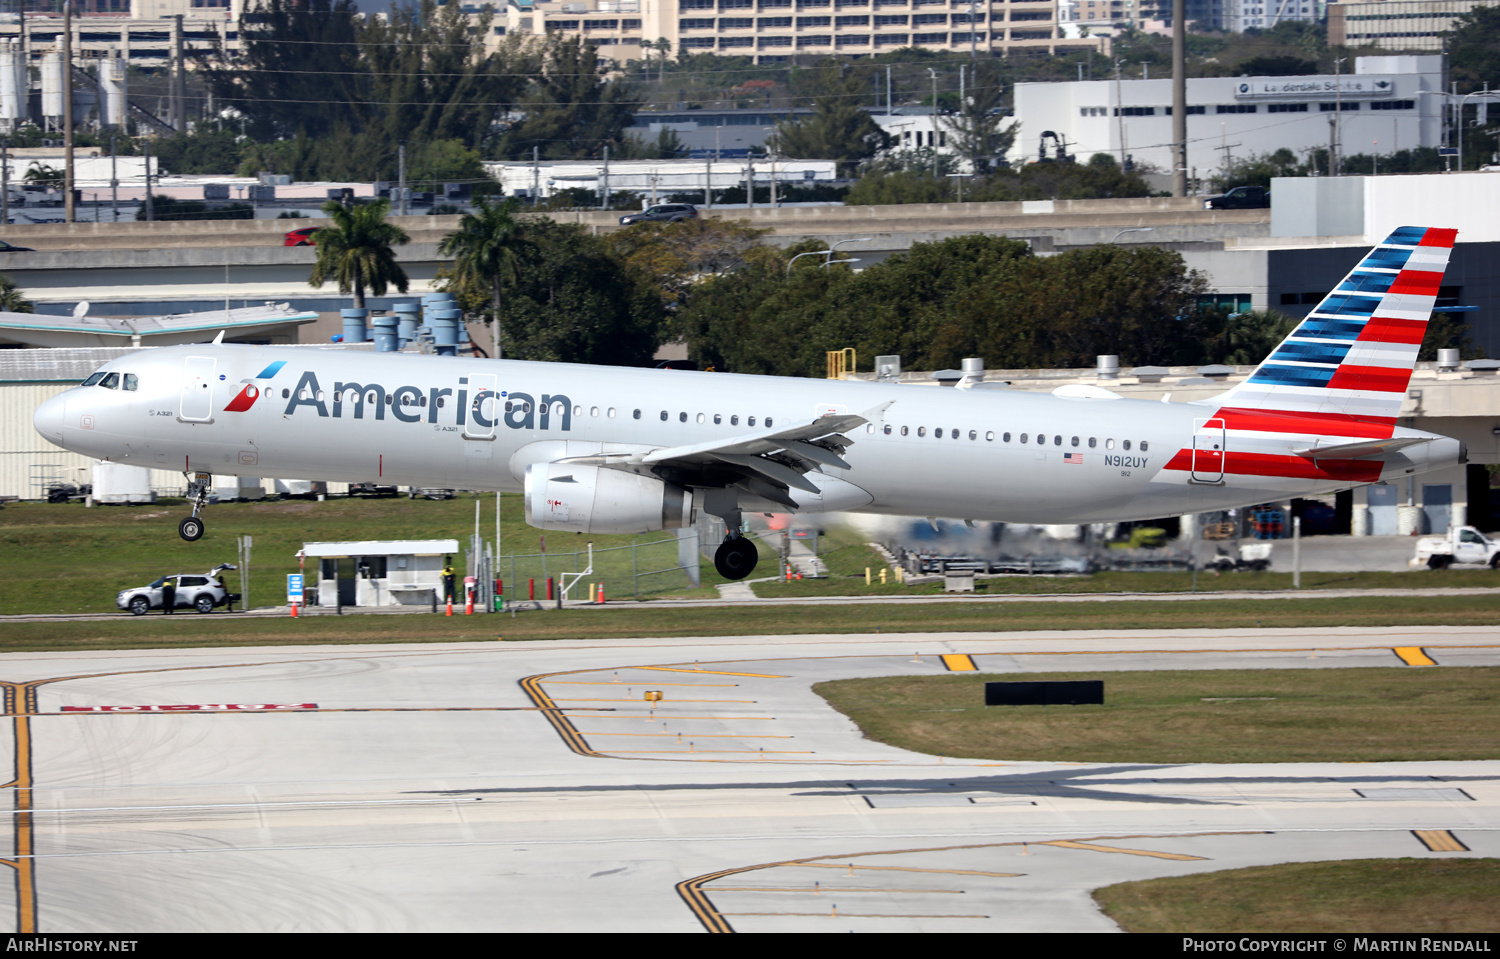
[412, 420]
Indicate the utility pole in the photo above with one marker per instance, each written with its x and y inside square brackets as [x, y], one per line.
[5, 181]
[179, 82]
[67, 91]
[1120, 113]
[114, 181]
[749, 183]
[1179, 98]
[604, 186]
[932, 137]
[973, 34]
[150, 207]
[1335, 162]
[401, 194]
[536, 174]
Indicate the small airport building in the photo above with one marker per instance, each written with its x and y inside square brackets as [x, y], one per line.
[380, 573]
[1388, 104]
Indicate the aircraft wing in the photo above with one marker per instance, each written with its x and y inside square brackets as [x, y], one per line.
[1363, 449]
[767, 463]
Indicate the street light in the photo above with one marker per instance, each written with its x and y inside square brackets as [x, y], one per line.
[857, 239]
[1138, 229]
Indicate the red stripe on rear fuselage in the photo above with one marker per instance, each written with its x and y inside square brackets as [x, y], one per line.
[1286, 467]
[1417, 282]
[1310, 424]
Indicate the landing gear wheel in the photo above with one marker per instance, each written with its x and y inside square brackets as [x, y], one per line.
[736, 558]
[190, 529]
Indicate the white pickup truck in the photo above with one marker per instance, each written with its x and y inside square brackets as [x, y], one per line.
[1465, 544]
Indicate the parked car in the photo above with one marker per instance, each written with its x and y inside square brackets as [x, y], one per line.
[301, 237]
[193, 591]
[662, 213]
[1240, 198]
[12, 248]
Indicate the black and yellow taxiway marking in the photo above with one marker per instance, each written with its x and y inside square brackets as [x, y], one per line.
[1440, 840]
[1414, 656]
[959, 663]
[697, 900]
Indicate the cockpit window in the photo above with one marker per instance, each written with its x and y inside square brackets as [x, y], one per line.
[92, 380]
[111, 381]
[131, 382]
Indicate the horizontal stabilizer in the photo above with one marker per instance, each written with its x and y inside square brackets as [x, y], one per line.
[1363, 449]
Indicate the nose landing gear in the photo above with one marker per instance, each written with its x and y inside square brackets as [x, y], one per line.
[191, 529]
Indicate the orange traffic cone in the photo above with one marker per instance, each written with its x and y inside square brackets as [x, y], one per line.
[294, 610]
[450, 606]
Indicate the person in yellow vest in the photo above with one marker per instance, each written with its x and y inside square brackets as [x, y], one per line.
[448, 581]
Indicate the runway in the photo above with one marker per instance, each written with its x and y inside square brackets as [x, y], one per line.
[534, 787]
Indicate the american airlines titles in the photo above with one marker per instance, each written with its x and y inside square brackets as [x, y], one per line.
[520, 411]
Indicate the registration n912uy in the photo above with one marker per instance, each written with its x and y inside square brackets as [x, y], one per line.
[618, 450]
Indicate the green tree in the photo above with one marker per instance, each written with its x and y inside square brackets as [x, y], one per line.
[12, 300]
[203, 151]
[839, 128]
[299, 69]
[572, 110]
[356, 250]
[978, 130]
[1258, 169]
[575, 301]
[1474, 49]
[485, 251]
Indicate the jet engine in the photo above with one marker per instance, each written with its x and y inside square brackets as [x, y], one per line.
[588, 499]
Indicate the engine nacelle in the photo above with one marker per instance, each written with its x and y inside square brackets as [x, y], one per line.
[587, 499]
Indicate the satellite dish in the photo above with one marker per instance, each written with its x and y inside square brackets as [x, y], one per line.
[82, 309]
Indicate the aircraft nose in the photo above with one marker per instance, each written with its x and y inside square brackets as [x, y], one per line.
[49, 417]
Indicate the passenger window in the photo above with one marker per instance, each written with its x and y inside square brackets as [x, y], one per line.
[1075, 441]
[130, 382]
[111, 382]
[938, 433]
[611, 412]
[1005, 438]
[93, 380]
[1109, 444]
[921, 431]
[904, 429]
[887, 429]
[663, 416]
[1057, 440]
[701, 418]
[768, 421]
[1125, 444]
[682, 417]
[637, 414]
[578, 411]
[990, 436]
[1023, 437]
[1041, 439]
[593, 411]
[1092, 442]
[734, 420]
[750, 420]
[286, 394]
[718, 419]
[1144, 447]
[974, 435]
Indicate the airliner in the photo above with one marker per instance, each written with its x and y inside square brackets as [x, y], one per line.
[618, 450]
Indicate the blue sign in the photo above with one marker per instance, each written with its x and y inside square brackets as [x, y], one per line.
[294, 587]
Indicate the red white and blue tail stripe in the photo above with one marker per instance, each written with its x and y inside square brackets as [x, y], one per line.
[1350, 360]
[1323, 405]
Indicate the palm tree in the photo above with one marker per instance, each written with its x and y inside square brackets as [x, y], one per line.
[12, 300]
[484, 250]
[356, 250]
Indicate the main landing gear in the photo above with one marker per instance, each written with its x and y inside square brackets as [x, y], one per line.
[191, 529]
[736, 557]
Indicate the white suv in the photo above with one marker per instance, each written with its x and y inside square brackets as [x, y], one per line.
[193, 591]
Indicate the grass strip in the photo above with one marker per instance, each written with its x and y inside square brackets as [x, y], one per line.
[1398, 714]
[634, 620]
[1358, 896]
